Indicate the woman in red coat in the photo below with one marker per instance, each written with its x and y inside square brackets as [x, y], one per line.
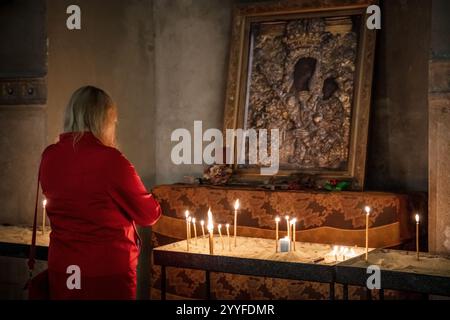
[95, 198]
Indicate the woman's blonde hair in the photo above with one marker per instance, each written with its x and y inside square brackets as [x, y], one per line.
[89, 110]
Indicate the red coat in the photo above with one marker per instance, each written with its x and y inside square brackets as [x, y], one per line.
[94, 197]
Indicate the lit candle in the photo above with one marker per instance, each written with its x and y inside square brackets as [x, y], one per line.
[277, 221]
[195, 230]
[293, 222]
[367, 210]
[285, 244]
[220, 236]
[44, 204]
[288, 228]
[417, 235]
[202, 223]
[228, 236]
[236, 208]
[210, 230]
[186, 214]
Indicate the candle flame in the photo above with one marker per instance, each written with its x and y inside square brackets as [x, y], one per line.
[219, 226]
[286, 217]
[193, 220]
[44, 202]
[236, 204]
[367, 209]
[294, 221]
[417, 218]
[189, 219]
[277, 219]
[202, 222]
[228, 225]
[186, 213]
[210, 221]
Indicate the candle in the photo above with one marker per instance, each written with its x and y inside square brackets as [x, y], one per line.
[288, 227]
[236, 208]
[344, 253]
[44, 204]
[293, 222]
[220, 236]
[195, 230]
[277, 221]
[186, 214]
[367, 210]
[285, 244]
[210, 230]
[228, 236]
[417, 235]
[335, 252]
[202, 223]
[189, 229]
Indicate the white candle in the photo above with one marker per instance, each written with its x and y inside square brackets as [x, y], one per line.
[186, 214]
[189, 229]
[367, 210]
[220, 236]
[210, 230]
[293, 222]
[202, 223]
[236, 208]
[285, 244]
[228, 236]
[417, 236]
[44, 209]
[288, 227]
[277, 221]
[195, 230]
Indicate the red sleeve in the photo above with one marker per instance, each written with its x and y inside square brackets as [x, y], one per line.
[128, 191]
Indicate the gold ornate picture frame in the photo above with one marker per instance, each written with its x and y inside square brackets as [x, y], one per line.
[304, 67]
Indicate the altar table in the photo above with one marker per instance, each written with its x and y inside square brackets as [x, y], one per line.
[323, 217]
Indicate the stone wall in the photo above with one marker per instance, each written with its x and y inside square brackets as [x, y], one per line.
[439, 129]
